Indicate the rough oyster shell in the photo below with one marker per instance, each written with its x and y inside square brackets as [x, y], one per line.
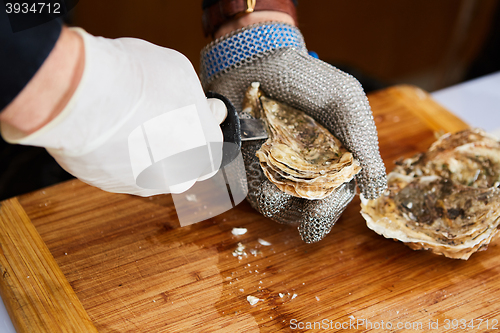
[446, 200]
[301, 157]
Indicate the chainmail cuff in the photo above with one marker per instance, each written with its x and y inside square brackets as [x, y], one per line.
[245, 45]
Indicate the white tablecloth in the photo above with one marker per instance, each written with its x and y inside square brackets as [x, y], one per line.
[5, 323]
[477, 102]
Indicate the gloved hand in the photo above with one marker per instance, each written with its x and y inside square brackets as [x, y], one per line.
[138, 123]
[275, 55]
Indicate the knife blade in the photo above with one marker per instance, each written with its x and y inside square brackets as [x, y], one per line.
[252, 129]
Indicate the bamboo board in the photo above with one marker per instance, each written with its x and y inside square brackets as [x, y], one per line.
[135, 270]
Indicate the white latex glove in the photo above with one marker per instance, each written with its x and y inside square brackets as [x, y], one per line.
[138, 123]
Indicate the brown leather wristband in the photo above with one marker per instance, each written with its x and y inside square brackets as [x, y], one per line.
[226, 10]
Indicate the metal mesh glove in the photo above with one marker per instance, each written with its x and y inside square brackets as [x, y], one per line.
[275, 55]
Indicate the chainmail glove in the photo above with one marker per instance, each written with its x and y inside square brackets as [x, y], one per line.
[275, 55]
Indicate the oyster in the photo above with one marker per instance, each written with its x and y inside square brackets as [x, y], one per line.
[301, 157]
[446, 200]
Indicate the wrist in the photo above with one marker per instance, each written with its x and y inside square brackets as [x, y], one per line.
[50, 89]
[223, 16]
[253, 18]
[245, 45]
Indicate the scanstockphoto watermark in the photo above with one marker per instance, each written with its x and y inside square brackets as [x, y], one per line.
[366, 324]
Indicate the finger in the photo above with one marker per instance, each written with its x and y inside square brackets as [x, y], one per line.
[319, 216]
[277, 205]
[218, 109]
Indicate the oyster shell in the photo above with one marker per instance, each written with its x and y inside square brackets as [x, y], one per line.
[301, 157]
[446, 200]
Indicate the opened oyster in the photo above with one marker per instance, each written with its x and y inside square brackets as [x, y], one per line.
[301, 157]
[446, 200]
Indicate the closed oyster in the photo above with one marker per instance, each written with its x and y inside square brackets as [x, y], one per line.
[446, 200]
[301, 157]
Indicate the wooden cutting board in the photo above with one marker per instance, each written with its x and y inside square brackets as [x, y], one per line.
[77, 259]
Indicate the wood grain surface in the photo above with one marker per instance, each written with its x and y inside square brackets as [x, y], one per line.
[135, 270]
[36, 293]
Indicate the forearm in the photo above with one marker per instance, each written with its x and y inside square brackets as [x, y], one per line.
[50, 89]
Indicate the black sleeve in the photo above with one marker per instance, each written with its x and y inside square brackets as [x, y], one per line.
[22, 53]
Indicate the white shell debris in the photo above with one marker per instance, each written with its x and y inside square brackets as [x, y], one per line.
[253, 300]
[263, 242]
[317, 298]
[240, 251]
[352, 317]
[239, 231]
[294, 295]
[281, 295]
[191, 197]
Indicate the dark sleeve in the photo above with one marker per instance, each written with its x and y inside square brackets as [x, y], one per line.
[22, 53]
[208, 3]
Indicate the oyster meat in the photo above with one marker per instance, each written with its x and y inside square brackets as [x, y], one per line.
[301, 157]
[446, 200]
